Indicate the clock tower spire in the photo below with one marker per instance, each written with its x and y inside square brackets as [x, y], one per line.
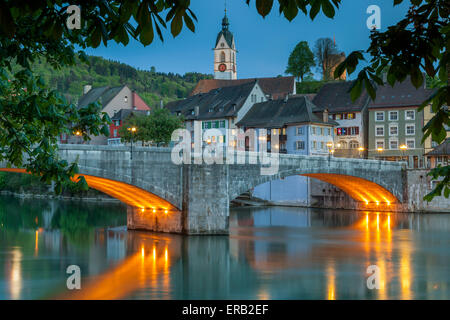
[225, 53]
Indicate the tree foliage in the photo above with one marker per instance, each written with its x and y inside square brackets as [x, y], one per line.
[417, 44]
[32, 116]
[326, 54]
[300, 61]
[156, 128]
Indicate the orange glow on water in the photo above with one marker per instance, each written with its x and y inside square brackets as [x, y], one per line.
[359, 189]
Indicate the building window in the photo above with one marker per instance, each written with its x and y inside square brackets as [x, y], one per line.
[343, 144]
[299, 131]
[313, 130]
[411, 143]
[125, 99]
[393, 130]
[300, 145]
[393, 144]
[328, 132]
[319, 131]
[314, 144]
[379, 144]
[393, 115]
[379, 131]
[354, 144]
[379, 116]
[222, 57]
[410, 129]
[338, 116]
[222, 123]
[115, 132]
[410, 115]
[117, 123]
[322, 145]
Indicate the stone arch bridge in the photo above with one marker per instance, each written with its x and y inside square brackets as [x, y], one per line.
[194, 198]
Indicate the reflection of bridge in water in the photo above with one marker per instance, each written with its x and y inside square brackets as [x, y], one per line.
[242, 265]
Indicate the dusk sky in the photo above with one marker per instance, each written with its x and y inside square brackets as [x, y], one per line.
[263, 45]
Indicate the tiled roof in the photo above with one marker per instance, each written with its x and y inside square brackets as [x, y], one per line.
[403, 94]
[335, 97]
[124, 114]
[441, 150]
[278, 113]
[276, 87]
[106, 94]
[222, 102]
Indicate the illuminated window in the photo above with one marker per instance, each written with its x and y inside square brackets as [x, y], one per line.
[125, 99]
[410, 115]
[351, 116]
[354, 144]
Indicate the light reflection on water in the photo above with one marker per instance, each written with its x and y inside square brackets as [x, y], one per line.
[271, 253]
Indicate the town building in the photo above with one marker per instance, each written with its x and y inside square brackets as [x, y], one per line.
[118, 120]
[395, 124]
[218, 109]
[440, 155]
[302, 129]
[112, 100]
[350, 135]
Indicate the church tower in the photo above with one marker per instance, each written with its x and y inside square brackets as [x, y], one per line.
[225, 53]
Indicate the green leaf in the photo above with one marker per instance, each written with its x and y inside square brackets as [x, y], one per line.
[315, 8]
[328, 8]
[189, 23]
[147, 34]
[176, 25]
[264, 6]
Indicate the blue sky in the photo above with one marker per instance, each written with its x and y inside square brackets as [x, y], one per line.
[263, 45]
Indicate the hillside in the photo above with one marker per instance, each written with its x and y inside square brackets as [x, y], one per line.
[152, 86]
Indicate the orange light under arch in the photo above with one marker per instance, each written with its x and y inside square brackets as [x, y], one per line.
[359, 189]
[124, 192]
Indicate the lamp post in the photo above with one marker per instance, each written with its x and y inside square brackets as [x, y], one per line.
[403, 148]
[78, 134]
[133, 131]
[360, 149]
[330, 149]
[380, 150]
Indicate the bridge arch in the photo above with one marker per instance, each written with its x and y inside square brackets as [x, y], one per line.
[360, 189]
[127, 193]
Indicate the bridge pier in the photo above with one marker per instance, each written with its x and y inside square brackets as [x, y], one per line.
[205, 206]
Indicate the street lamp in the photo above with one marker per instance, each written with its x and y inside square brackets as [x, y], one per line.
[133, 131]
[403, 148]
[330, 149]
[78, 134]
[360, 149]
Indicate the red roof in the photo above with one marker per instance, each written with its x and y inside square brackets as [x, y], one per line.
[276, 87]
[139, 103]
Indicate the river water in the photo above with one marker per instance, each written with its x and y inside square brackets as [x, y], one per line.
[271, 253]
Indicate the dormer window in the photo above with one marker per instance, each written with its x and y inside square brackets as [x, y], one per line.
[125, 99]
[192, 112]
[211, 109]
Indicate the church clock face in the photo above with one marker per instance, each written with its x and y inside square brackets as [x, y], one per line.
[222, 67]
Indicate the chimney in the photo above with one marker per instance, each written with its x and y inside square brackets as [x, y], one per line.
[86, 88]
[325, 115]
[197, 110]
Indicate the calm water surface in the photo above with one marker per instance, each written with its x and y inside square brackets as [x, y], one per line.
[271, 253]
